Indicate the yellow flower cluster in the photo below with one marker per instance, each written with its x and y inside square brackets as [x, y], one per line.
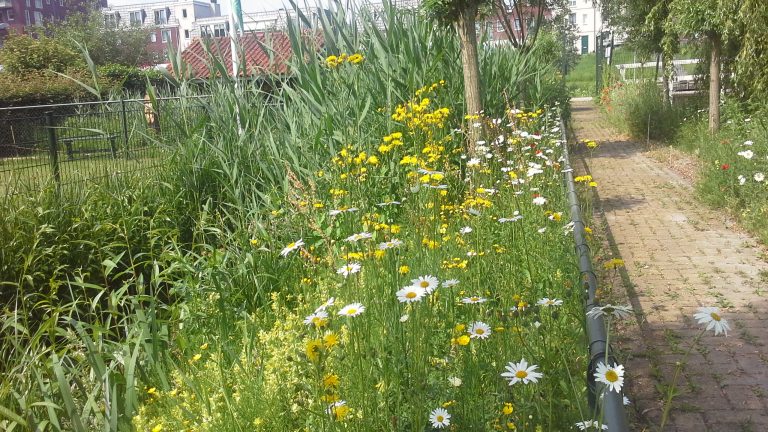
[589, 143]
[333, 61]
[390, 141]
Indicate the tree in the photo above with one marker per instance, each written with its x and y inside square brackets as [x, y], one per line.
[526, 11]
[713, 19]
[643, 21]
[752, 60]
[106, 45]
[462, 14]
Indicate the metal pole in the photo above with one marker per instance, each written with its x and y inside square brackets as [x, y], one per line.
[125, 125]
[235, 26]
[53, 147]
[612, 402]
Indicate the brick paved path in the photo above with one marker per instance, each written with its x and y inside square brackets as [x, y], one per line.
[680, 256]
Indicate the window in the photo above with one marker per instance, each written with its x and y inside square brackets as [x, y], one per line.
[11, 15]
[572, 19]
[61, 3]
[499, 26]
[161, 17]
[28, 3]
[38, 4]
[219, 30]
[572, 3]
[26, 18]
[48, 2]
[584, 19]
[186, 34]
[153, 37]
[135, 18]
[205, 31]
[38, 18]
[166, 35]
[517, 23]
[184, 13]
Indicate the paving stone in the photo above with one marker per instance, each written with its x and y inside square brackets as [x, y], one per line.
[679, 256]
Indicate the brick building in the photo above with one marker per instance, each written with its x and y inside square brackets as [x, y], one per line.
[17, 16]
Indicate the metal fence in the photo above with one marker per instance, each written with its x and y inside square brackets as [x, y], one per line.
[69, 143]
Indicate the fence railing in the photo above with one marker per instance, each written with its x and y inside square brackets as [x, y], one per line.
[609, 404]
[67, 143]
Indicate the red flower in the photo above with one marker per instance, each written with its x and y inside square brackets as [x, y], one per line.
[724, 167]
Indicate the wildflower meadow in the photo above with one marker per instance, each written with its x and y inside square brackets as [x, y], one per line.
[331, 256]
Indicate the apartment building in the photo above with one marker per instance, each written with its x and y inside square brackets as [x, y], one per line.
[18, 16]
[585, 16]
[521, 20]
[171, 21]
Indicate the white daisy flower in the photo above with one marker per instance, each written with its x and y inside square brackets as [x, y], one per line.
[317, 318]
[612, 377]
[349, 269]
[359, 236]
[352, 310]
[759, 177]
[746, 154]
[404, 318]
[711, 317]
[292, 247]
[450, 283]
[328, 303]
[517, 372]
[590, 425]
[332, 407]
[473, 162]
[465, 230]
[440, 418]
[390, 244]
[539, 201]
[546, 301]
[411, 294]
[388, 203]
[454, 381]
[748, 142]
[428, 283]
[473, 300]
[626, 401]
[742, 179]
[479, 330]
[619, 312]
[542, 230]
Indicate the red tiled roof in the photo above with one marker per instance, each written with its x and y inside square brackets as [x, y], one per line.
[263, 53]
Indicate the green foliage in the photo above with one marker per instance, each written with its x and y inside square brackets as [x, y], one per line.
[752, 61]
[722, 168]
[39, 88]
[21, 54]
[106, 45]
[448, 12]
[640, 111]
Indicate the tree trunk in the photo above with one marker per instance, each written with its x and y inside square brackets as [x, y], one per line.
[665, 64]
[471, 66]
[714, 85]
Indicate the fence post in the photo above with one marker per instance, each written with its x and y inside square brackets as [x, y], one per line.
[53, 146]
[125, 129]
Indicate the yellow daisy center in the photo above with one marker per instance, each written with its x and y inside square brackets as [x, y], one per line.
[715, 316]
[291, 246]
[521, 374]
[474, 299]
[439, 419]
[424, 284]
[410, 295]
[611, 376]
[479, 331]
[351, 311]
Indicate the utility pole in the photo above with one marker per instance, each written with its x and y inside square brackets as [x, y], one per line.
[235, 29]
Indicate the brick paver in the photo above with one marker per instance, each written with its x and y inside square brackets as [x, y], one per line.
[679, 256]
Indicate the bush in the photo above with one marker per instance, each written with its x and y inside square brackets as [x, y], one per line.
[639, 110]
[21, 54]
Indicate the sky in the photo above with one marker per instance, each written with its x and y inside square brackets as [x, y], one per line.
[247, 5]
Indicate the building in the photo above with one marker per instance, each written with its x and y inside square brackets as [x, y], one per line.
[586, 18]
[18, 16]
[171, 21]
[521, 20]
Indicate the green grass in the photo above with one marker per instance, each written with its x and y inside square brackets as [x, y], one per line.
[581, 78]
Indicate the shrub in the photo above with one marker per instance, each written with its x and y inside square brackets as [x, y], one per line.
[22, 54]
[639, 110]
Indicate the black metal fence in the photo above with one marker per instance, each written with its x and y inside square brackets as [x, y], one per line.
[68, 143]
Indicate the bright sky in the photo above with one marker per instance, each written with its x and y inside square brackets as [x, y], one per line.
[247, 5]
